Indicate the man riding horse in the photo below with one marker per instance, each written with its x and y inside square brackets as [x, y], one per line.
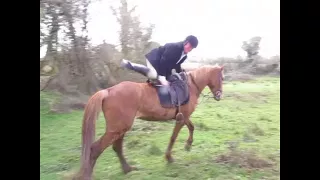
[123, 103]
[172, 88]
[160, 61]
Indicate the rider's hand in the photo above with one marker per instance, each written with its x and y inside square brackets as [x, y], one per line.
[163, 80]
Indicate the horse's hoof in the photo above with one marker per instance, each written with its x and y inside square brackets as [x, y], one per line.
[169, 159]
[81, 178]
[128, 169]
[187, 147]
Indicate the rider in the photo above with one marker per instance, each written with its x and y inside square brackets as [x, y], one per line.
[163, 59]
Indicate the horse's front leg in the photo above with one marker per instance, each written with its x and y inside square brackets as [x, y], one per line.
[176, 130]
[189, 141]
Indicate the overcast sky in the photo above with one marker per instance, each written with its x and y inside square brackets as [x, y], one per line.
[220, 25]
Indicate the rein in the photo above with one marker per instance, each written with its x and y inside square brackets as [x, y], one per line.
[194, 82]
[200, 93]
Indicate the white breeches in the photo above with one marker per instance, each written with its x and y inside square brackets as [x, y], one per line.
[152, 74]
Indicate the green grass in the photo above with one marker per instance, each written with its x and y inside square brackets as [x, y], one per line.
[246, 120]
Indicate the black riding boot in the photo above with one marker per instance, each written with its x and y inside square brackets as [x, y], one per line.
[135, 67]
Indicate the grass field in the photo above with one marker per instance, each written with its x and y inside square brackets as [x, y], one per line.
[236, 138]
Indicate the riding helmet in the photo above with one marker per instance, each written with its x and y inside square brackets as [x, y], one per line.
[192, 40]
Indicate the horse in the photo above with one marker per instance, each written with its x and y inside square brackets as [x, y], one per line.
[127, 100]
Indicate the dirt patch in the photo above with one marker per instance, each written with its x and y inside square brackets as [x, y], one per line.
[243, 159]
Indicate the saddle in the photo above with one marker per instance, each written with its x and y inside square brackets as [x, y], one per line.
[176, 93]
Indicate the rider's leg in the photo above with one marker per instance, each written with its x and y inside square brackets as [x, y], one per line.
[152, 74]
[142, 69]
[148, 71]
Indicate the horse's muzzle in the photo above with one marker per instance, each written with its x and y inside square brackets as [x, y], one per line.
[217, 98]
[217, 95]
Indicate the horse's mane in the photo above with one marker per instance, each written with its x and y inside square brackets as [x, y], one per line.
[203, 69]
[203, 72]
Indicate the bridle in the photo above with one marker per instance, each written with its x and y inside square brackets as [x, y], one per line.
[194, 82]
[217, 93]
[220, 82]
[199, 90]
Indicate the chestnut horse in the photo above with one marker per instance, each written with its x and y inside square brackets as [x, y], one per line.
[124, 102]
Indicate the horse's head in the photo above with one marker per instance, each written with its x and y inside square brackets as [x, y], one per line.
[211, 76]
[215, 75]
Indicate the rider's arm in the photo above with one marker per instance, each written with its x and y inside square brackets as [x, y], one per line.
[165, 58]
[178, 66]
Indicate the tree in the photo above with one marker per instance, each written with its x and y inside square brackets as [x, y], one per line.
[79, 67]
[252, 46]
[133, 37]
[74, 59]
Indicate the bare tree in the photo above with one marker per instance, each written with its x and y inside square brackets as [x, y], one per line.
[50, 20]
[134, 38]
[75, 73]
[79, 67]
[123, 16]
[252, 46]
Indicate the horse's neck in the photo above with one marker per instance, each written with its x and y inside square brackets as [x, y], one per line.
[199, 82]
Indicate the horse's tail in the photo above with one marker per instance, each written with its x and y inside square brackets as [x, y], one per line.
[91, 113]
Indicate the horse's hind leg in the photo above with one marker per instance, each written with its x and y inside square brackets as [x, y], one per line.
[190, 126]
[96, 149]
[118, 148]
[176, 130]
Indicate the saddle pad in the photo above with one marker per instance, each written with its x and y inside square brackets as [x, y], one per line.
[175, 94]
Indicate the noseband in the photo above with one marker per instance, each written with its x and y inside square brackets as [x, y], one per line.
[217, 93]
